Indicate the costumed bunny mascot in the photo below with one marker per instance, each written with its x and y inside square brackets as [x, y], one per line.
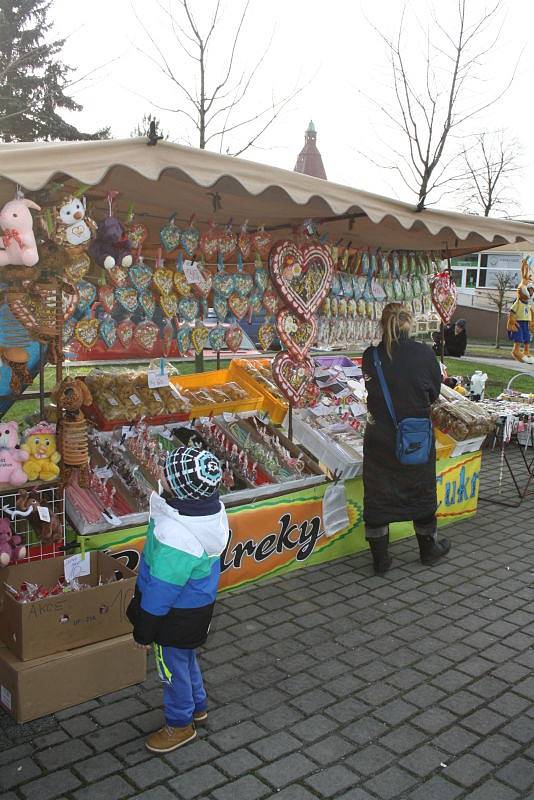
[521, 317]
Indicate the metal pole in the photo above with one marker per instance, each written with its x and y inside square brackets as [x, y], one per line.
[290, 422]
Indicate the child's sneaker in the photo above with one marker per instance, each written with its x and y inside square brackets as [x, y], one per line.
[200, 717]
[167, 739]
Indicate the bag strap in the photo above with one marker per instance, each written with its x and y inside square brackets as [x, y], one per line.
[384, 386]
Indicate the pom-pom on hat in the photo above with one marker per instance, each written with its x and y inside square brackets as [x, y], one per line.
[191, 473]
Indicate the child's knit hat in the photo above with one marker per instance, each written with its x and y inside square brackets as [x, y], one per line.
[192, 474]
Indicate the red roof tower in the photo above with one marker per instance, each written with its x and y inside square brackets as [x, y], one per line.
[309, 160]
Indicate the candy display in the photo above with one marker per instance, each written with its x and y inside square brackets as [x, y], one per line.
[461, 418]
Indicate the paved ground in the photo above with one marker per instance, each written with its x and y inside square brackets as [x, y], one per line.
[505, 363]
[331, 683]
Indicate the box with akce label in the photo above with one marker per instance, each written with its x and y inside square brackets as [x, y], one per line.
[69, 620]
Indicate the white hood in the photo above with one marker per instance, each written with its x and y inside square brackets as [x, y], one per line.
[193, 535]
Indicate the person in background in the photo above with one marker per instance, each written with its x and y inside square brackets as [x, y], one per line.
[455, 336]
[176, 587]
[395, 492]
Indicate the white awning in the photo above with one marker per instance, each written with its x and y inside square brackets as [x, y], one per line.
[169, 178]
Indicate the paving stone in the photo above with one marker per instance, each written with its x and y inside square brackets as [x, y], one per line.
[434, 720]
[329, 750]
[313, 728]
[281, 717]
[286, 770]
[276, 745]
[468, 769]
[493, 790]
[98, 767]
[112, 788]
[370, 760]
[395, 712]
[496, 748]
[186, 758]
[79, 726]
[83, 708]
[519, 773]
[403, 738]
[347, 710]
[294, 792]
[390, 783]
[356, 794]
[50, 786]
[246, 788]
[198, 782]
[437, 788]
[19, 771]
[455, 740]
[238, 762]
[115, 712]
[423, 761]
[111, 737]
[11, 754]
[155, 770]
[332, 780]
[63, 754]
[483, 721]
[49, 740]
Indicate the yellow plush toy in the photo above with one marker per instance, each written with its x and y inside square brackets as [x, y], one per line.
[40, 445]
[521, 319]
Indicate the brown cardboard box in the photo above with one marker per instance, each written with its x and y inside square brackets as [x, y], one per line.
[32, 689]
[69, 620]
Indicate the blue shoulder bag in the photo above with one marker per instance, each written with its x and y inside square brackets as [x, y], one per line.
[414, 435]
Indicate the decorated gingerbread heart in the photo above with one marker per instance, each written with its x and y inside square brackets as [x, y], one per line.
[188, 309]
[292, 376]
[86, 295]
[183, 340]
[245, 242]
[125, 332]
[261, 277]
[271, 301]
[146, 334]
[216, 339]
[295, 334]
[78, 267]
[86, 332]
[203, 287]
[127, 298]
[169, 304]
[118, 276]
[163, 280]
[243, 283]
[147, 302]
[444, 296]
[302, 275]
[223, 284]
[136, 233]
[261, 242]
[106, 297]
[220, 306]
[181, 286]
[199, 337]
[254, 302]
[238, 305]
[266, 335]
[233, 337]
[140, 275]
[170, 235]
[190, 239]
[108, 331]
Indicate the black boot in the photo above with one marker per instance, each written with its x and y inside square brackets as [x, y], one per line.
[379, 550]
[430, 548]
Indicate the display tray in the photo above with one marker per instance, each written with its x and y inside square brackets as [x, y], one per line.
[102, 423]
[202, 380]
[339, 460]
[274, 406]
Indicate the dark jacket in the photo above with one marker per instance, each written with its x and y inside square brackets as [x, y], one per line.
[394, 492]
[455, 343]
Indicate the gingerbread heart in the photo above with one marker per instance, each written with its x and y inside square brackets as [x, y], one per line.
[266, 335]
[127, 298]
[233, 337]
[189, 240]
[209, 241]
[108, 331]
[163, 280]
[220, 306]
[261, 278]
[295, 334]
[302, 275]
[261, 242]
[140, 276]
[86, 332]
[238, 305]
[68, 330]
[147, 301]
[146, 334]
[169, 236]
[187, 309]
[199, 337]
[86, 295]
[227, 243]
[69, 300]
[125, 332]
[292, 377]
[444, 296]
[78, 267]
[183, 340]
[203, 287]
[118, 276]
[271, 301]
[169, 304]
[136, 233]
[223, 284]
[106, 296]
[245, 243]
[243, 283]
[182, 287]
[254, 302]
[216, 339]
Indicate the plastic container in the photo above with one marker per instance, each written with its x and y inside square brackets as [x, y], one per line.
[271, 405]
[253, 401]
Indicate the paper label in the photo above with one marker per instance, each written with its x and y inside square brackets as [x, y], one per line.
[44, 513]
[135, 400]
[103, 472]
[127, 432]
[77, 565]
[157, 396]
[156, 378]
[112, 401]
[192, 272]
[5, 697]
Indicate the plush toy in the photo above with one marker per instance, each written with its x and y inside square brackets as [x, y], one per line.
[521, 319]
[11, 456]
[47, 532]
[111, 246]
[18, 240]
[43, 458]
[11, 548]
[70, 396]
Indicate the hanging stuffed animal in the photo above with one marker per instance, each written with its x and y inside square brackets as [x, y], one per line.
[111, 247]
[521, 318]
[73, 228]
[18, 245]
[71, 395]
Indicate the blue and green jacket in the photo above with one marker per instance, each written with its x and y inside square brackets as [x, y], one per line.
[178, 573]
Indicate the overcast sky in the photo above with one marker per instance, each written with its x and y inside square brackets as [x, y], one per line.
[329, 48]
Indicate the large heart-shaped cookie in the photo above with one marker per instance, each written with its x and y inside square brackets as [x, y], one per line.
[189, 240]
[233, 337]
[216, 339]
[199, 337]
[302, 275]
[127, 298]
[223, 284]
[86, 295]
[163, 280]
[266, 335]
[108, 331]
[125, 332]
[169, 236]
[203, 287]
[292, 376]
[243, 283]
[146, 334]
[238, 305]
[78, 267]
[296, 334]
[182, 287]
[140, 276]
[444, 296]
[169, 304]
[183, 340]
[261, 242]
[271, 301]
[86, 332]
[188, 309]
[147, 301]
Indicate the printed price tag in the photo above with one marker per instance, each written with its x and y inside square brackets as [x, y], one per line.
[112, 401]
[157, 378]
[135, 400]
[76, 566]
[104, 472]
[192, 272]
[44, 513]
[157, 396]
[127, 432]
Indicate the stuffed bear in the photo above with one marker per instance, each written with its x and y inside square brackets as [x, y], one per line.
[111, 247]
[18, 240]
[11, 548]
[11, 456]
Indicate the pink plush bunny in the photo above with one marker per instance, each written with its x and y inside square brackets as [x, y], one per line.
[18, 240]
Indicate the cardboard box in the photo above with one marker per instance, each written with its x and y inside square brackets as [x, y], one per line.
[32, 689]
[69, 620]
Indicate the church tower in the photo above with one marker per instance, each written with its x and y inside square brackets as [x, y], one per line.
[309, 160]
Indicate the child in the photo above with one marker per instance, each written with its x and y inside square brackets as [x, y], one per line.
[176, 587]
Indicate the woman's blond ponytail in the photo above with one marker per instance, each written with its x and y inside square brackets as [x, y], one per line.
[396, 321]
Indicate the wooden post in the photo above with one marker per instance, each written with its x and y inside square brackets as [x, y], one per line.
[290, 422]
[199, 362]
[218, 363]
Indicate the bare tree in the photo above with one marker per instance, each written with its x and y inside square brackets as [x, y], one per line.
[504, 281]
[489, 165]
[211, 101]
[435, 95]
